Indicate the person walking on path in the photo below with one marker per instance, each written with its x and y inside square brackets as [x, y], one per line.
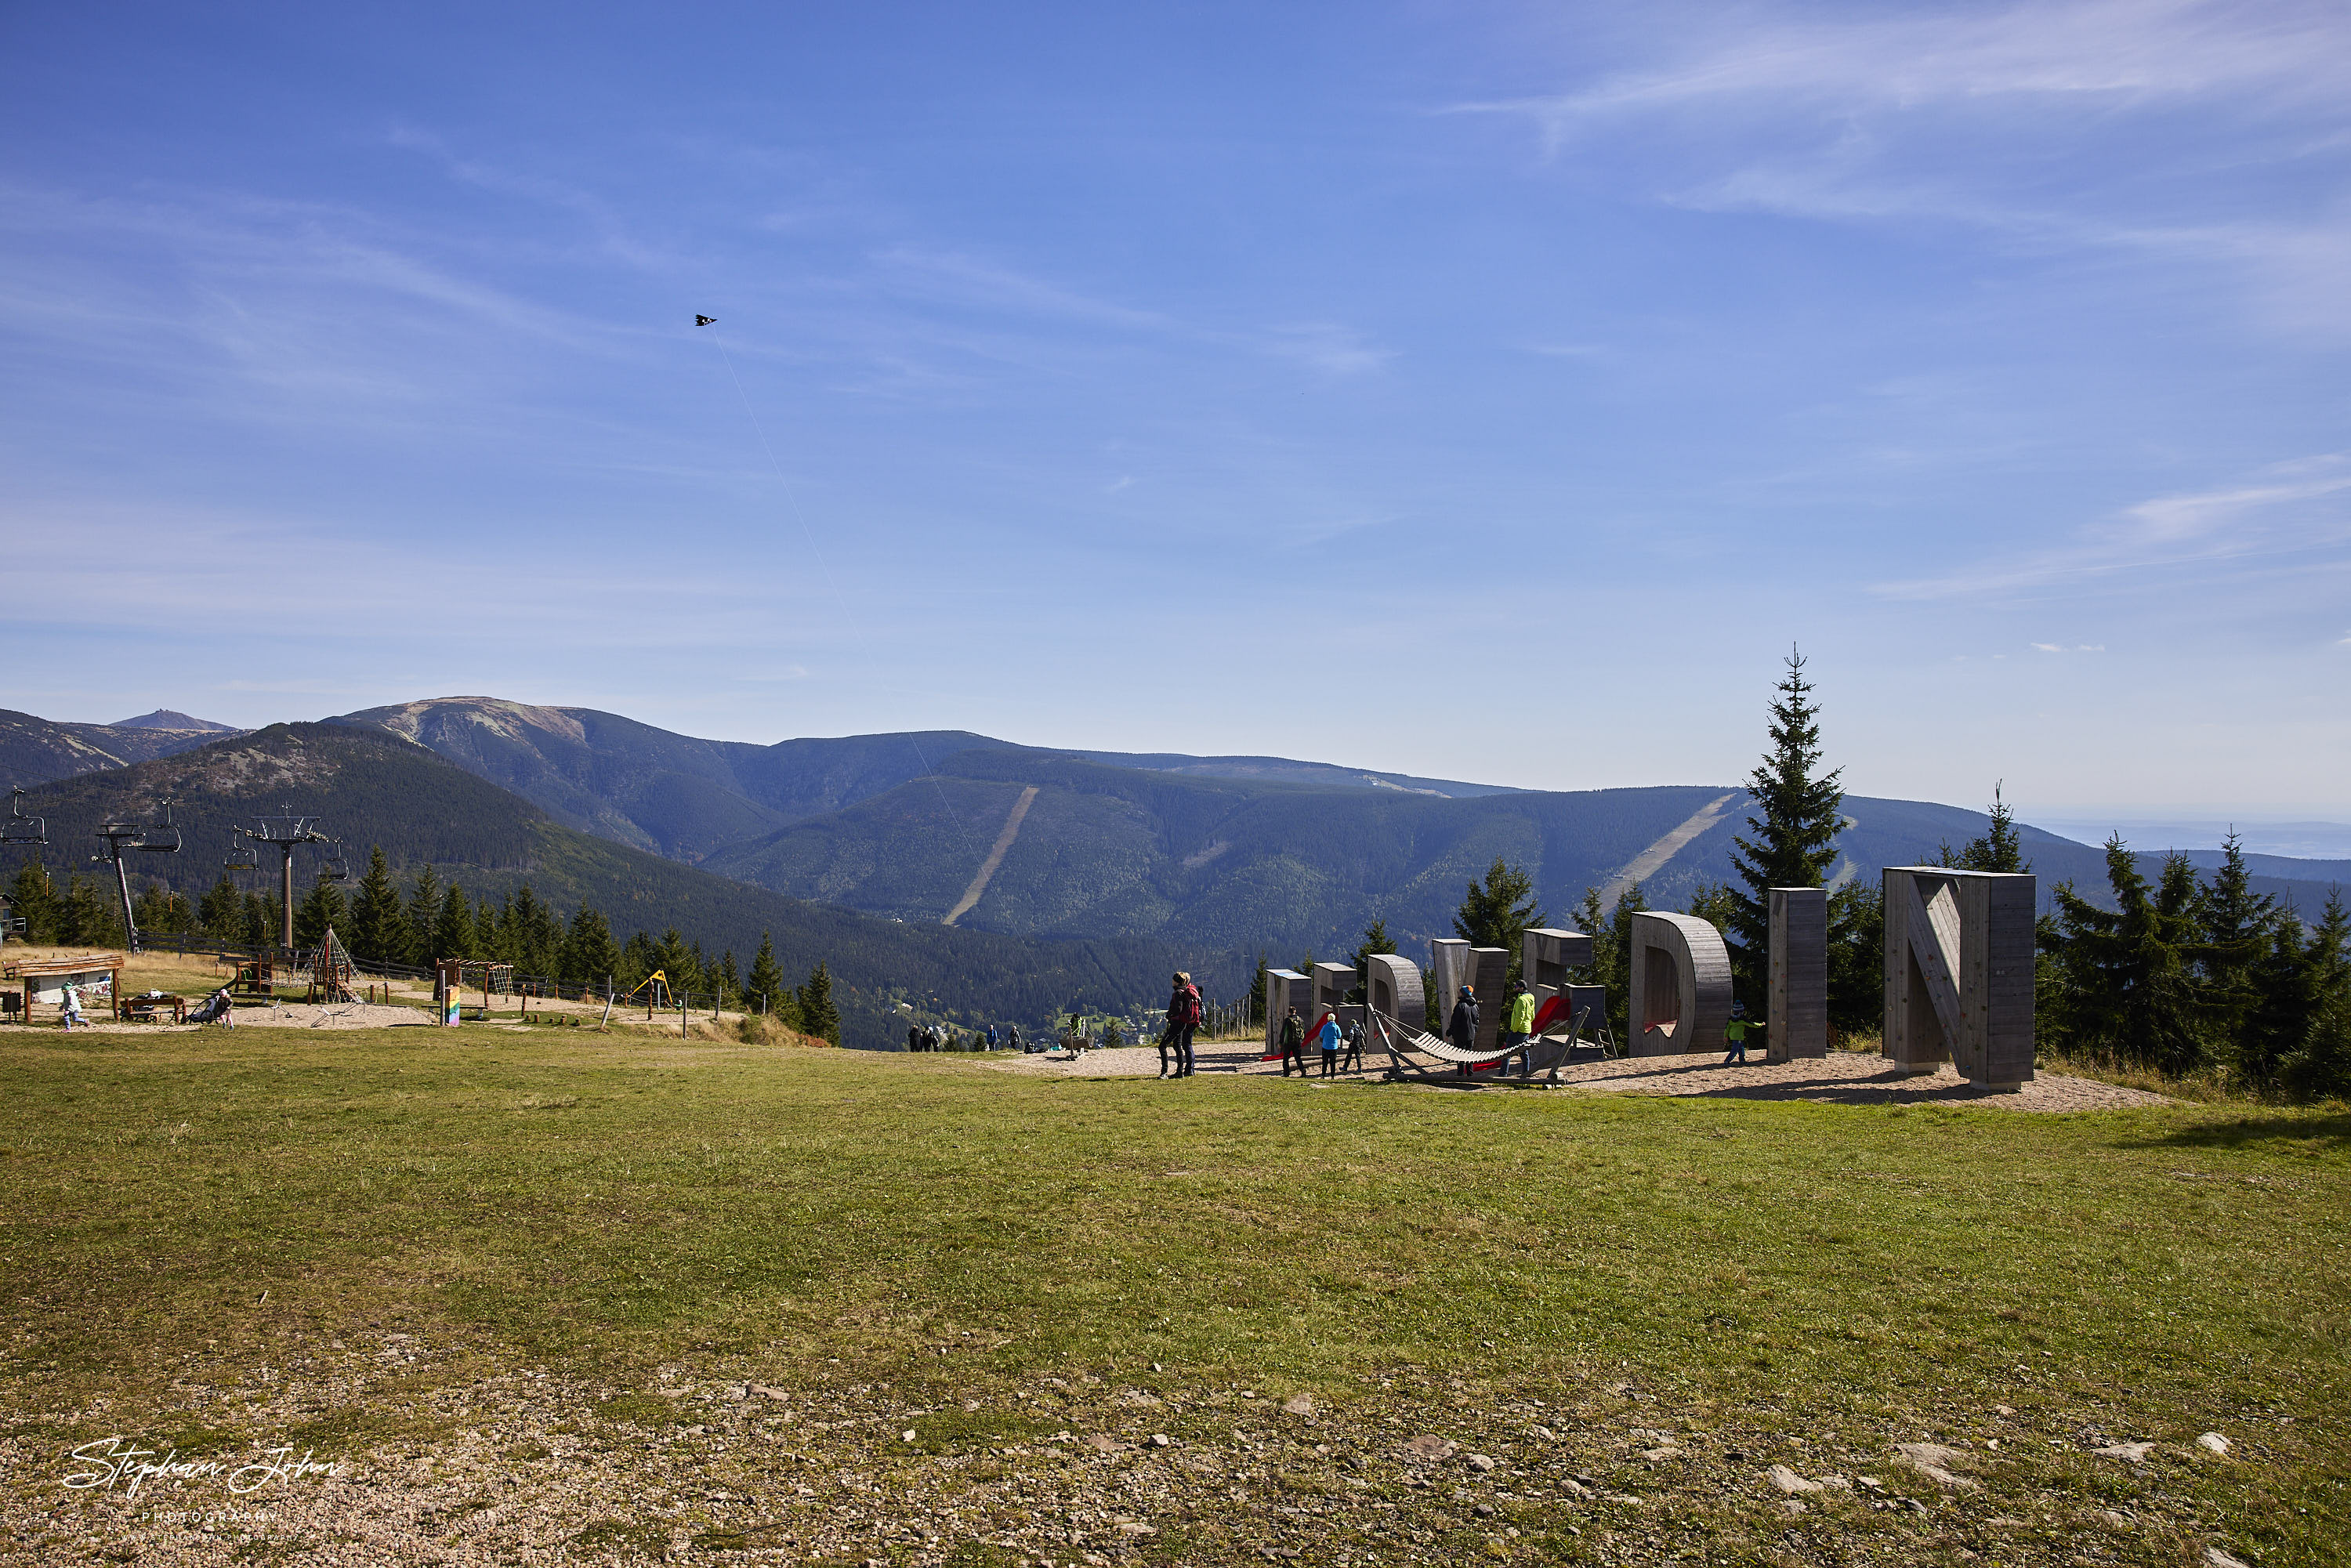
[1183, 1017]
[1327, 1036]
[1735, 1032]
[1461, 1029]
[1519, 1024]
[1293, 1042]
[1351, 1055]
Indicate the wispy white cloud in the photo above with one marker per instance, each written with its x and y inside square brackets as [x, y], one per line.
[970, 280]
[2290, 507]
[2077, 648]
[1327, 346]
[2097, 51]
[2008, 122]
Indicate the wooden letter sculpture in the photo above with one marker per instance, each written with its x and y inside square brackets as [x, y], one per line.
[1798, 1024]
[1959, 972]
[1392, 985]
[1681, 986]
[1286, 988]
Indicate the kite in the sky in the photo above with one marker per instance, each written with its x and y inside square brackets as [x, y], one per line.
[704, 320]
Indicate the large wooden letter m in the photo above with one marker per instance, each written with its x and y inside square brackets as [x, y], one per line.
[1959, 972]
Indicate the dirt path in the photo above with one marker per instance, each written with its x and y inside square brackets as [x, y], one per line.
[995, 856]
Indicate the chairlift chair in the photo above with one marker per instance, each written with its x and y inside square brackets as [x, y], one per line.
[19, 829]
[160, 838]
[335, 868]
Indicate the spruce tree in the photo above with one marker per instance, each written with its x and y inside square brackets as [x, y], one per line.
[488, 940]
[1795, 827]
[2283, 980]
[1376, 940]
[2320, 1067]
[320, 908]
[216, 914]
[2233, 924]
[452, 934]
[1612, 948]
[2317, 1063]
[639, 959]
[88, 918]
[256, 922]
[675, 961]
[1257, 992]
[378, 932]
[765, 980]
[730, 984]
[1857, 958]
[820, 1019]
[535, 940]
[34, 903]
[2127, 987]
[424, 918]
[1494, 913]
[590, 958]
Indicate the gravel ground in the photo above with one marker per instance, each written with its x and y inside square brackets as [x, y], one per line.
[1849, 1078]
[426, 1454]
[282, 1015]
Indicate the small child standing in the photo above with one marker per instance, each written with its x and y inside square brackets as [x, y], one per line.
[1735, 1032]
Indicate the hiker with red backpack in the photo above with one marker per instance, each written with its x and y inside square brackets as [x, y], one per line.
[1183, 1016]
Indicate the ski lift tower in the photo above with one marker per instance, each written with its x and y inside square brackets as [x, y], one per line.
[154, 838]
[284, 833]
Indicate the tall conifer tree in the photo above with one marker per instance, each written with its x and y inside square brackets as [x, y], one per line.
[322, 908]
[1795, 823]
[765, 980]
[591, 957]
[424, 918]
[378, 931]
[30, 896]
[216, 914]
[452, 934]
[820, 1019]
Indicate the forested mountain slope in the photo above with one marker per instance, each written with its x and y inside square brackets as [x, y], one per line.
[371, 788]
[1286, 867]
[685, 798]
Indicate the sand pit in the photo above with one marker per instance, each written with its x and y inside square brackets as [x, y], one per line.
[1849, 1078]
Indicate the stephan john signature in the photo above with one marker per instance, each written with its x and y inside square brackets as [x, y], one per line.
[109, 1461]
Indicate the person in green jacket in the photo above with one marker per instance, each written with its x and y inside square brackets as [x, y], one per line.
[1735, 1032]
[1519, 1023]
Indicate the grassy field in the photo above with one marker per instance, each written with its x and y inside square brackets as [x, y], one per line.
[562, 1297]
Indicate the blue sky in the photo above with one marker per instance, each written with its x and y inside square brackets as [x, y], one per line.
[1486, 391]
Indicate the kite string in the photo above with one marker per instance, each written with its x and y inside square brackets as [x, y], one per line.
[792, 500]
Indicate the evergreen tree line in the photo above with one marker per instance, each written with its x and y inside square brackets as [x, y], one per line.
[380, 923]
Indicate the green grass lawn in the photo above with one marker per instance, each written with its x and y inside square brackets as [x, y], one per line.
[1724, 1285]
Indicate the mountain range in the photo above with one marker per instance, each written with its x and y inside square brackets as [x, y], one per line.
[957, 833]
[373, 788]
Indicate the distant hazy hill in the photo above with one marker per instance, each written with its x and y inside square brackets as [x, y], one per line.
[371, 788]
[171, 718]
[36, 750]
[685, 797]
